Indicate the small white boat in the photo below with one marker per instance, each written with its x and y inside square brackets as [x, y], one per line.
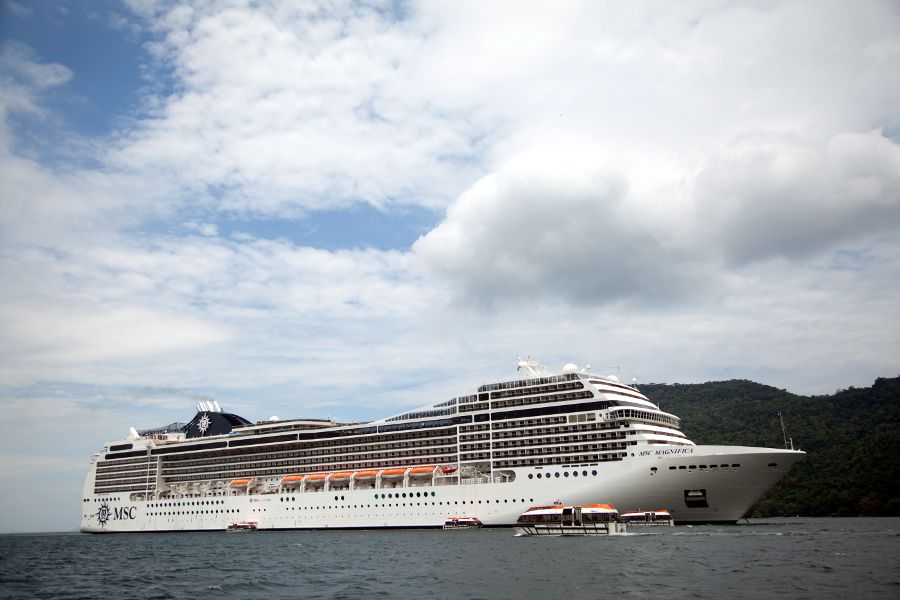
[648, 518]
[239, 526]
[556, 519]
[466, 522]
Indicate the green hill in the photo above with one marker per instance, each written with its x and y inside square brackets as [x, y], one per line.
[852, 440]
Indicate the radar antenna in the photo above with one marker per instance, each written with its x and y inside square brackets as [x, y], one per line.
[531, 368]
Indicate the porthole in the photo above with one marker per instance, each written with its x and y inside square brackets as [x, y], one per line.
[594, 472]
[584, 473]
[566, 474]
[531, 476]
[557, 473]
[432, 494]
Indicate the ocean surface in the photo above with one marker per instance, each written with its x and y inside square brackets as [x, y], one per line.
[767, 558]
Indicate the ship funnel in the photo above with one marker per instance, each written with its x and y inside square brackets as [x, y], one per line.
[133, 434]
[216, 406]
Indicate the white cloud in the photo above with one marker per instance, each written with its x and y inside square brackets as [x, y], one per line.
[771, 196]
[18, 10]
[557, 228]
[281, 113]
[22, 79]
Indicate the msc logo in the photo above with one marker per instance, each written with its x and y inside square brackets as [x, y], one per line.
[125, 512]
[120, 513]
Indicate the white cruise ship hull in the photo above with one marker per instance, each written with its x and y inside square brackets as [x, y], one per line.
[696, 484]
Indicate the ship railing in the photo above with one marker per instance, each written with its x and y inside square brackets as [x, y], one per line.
[474, 480]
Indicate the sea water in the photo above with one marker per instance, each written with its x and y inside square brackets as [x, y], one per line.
[766, 558]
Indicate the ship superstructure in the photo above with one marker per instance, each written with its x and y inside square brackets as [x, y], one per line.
[576, 436]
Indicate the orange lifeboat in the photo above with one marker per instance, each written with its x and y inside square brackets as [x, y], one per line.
[292, 479]
[422, 471]
[365, 474]
[317, 477]
[393, 472]
[342, 475]
[239, 482]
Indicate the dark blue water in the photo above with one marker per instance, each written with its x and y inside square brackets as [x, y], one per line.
[787, 558]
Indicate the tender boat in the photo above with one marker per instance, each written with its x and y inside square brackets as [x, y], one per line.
[647, 518]
[556, 519]
[454, 523]
[241, 526]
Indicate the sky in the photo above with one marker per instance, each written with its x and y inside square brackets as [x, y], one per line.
[349, 209]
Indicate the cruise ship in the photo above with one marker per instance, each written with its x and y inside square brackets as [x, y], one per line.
[575, 437]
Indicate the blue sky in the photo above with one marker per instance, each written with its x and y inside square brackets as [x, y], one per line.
[105, 60]
[351, 209]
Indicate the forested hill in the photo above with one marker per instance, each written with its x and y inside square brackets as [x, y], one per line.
[852, 440]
